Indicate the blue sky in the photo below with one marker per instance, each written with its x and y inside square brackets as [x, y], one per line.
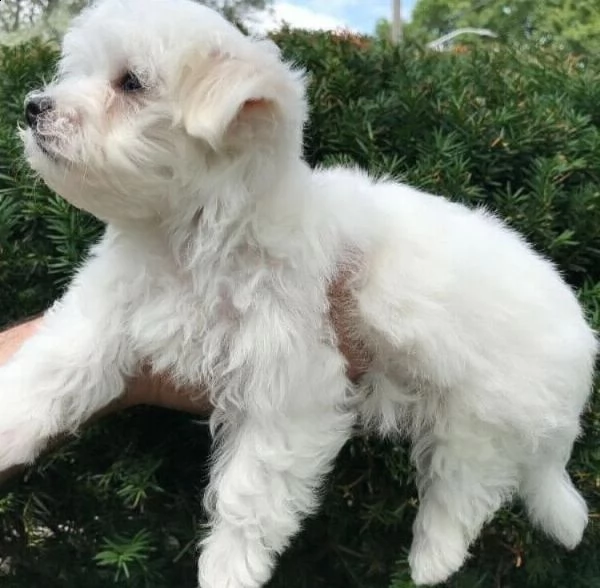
[358, 15]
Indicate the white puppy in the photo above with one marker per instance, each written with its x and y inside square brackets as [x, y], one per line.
[185, 137]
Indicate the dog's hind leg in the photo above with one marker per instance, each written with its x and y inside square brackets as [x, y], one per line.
[552, 501]
[462, 481]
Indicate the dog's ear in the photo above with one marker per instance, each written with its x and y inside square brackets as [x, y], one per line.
[227, 99]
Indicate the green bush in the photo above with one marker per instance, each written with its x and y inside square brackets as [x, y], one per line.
[518, 133]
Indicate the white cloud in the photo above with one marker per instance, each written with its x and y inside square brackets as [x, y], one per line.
[296, 16]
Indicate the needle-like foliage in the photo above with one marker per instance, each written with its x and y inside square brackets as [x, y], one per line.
[120, 506]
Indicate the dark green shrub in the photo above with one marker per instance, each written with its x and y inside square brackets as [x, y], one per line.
[41, 237]
[518, 133]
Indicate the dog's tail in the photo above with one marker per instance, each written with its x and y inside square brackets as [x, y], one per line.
[554, 503]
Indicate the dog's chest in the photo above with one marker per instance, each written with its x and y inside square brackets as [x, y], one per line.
[190, 324]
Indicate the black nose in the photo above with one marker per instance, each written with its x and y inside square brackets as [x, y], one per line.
[35, 106]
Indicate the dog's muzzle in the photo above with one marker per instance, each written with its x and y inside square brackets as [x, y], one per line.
[35, 107]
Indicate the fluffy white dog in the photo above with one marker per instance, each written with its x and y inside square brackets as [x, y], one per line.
[185, 136]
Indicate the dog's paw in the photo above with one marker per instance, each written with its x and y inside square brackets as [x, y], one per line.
[434, 560]
[229, 560]
[23, 424]
[19, 444]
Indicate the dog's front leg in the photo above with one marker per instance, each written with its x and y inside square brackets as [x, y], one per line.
[271, 459]
[71, 368]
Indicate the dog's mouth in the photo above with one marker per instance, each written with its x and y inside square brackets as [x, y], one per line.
[48, 147]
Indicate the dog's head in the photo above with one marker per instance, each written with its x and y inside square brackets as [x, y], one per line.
[157, 101]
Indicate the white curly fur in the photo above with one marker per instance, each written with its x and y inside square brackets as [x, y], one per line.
[215, 265]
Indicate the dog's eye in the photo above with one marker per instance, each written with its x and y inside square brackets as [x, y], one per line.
[130, 83]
